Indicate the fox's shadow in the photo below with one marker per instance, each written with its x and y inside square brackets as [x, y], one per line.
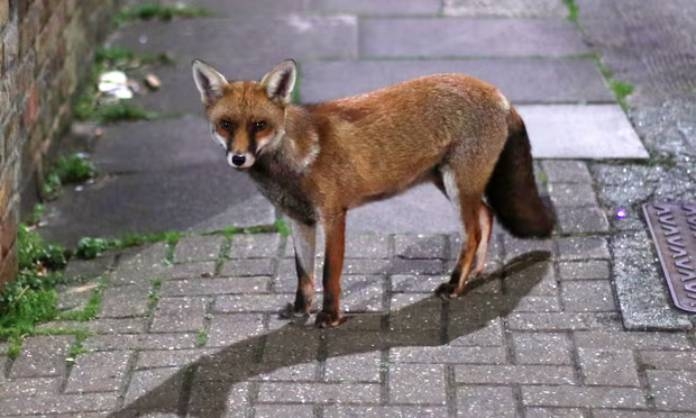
[428, 322]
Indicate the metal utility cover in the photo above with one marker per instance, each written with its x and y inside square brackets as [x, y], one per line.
[673, 228]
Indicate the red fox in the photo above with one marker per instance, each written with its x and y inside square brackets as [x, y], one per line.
[315, 162]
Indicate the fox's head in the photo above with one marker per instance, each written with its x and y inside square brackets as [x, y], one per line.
[246, 117]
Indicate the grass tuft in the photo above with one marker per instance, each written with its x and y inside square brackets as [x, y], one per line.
[75, 168]
[201, 338]
[620, 89]
[153, 11]
[573, 10]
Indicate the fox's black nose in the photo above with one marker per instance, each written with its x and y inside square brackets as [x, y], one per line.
[238, 160]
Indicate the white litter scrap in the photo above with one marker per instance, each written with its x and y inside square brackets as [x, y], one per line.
[115, 84]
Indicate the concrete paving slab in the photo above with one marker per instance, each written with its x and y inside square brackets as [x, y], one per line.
[522, 80]
[164, 144]
[457, 37]
[228, 40]
[581, 132]
[505, 8]
[202, 197]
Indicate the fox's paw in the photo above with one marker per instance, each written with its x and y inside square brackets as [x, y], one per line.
[293, 311]
[329, 320]
[447, 291]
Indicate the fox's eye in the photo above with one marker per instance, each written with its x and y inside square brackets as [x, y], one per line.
[260, 125]
[226, 125]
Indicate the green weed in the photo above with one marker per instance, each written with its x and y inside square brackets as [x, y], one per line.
[75, 168]
[573, 10]
[201, 338]
[91, 309]
[123, 58]
[620, 89]
[118, 111]
[36, 214]
[282, 227]
[152, 11]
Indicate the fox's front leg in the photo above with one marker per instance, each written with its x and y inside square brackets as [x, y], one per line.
[304, 240]
[335, 235]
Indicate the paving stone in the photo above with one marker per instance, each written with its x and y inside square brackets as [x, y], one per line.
[384, 411]
[226, 330]
[34, 386]
[88, 269]
[302, 372]
[98, 372]
[242, 268]
[579, 248]
[448, 354]
[407, 266]
[417, 383]
[110, 342]
[144, 382]
[582, 220]
[371, 8]
[151, 359]
[179, 314]
[416, 283]
[140, 265]
[632, 340]
[541, 348]
[583, 397]
[588, 295]
[366, 246]
[124, 301]
[254, 245]
[669, 360]
[546, 286]
[617, 413]
[505, 375]
[420, 246]
[507, 8]
[363, 367]
[561, 171]
[485, 402]
[318, 392]
[209, 400]
[554, 413]
[538, 304]
[562, 321]
[588, 132]
[75, 297]
[362, 293]
[198, 248]
[673, 390]
[42, 356]
[282, 411]
[521, 79]
[195, 270]
[515, 247]
[488, 335]
[583, 270]
[303, 347]
[462, 37]
[572, 195]
[116, 325]
[608, 367]
[249, 303]
[201, 287]
[71, 404]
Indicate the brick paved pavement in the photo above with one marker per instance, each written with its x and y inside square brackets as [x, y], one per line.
[201, 336]
[193, 330]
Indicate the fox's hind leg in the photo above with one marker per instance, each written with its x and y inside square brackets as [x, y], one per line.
[485, 218]
[476, 222]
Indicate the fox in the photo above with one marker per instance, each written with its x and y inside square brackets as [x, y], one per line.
[315, 162]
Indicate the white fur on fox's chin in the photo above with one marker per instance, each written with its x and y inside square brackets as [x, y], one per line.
[249, 160]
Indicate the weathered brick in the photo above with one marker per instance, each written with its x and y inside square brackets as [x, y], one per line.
[485, 401]
[27, 387]
[417, 383]
[580, 248]
[353, 368]
[337, 411]
[559, 171]
[673, 390]
[140, 266]
[554, 413]
[575, 195]
[243, 268]
[448, 354]
[618, 413]
[582, 220]
[420, 246]
[581, 270]
[110, 342]
[198, 248]
[201, 287]
[546, 285]
[516, 247]
[151, 359]
[42, 356]
[71, 404]
[250, 303]
[505, 375]
[179, 314]
[318, 392]
[144, 382]
[254, 245]
[98, 372]
[632, 340]
[210, 400]
[588, 295]
[583, 396]
[282, 411]
[608, 367]
[541, 348]
[562, 321]
[229, 329]
[124, 301]
[669, 360]
[193, 270]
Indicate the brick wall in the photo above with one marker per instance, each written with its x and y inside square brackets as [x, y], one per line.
[45, 49]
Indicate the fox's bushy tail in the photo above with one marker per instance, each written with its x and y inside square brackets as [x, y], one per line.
[512, 191]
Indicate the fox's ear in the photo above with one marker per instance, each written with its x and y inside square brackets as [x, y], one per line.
[280, 81]
[209, 81]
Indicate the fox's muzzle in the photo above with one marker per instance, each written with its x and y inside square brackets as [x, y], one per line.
[240, 160]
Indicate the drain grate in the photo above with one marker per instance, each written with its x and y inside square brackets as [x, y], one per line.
[673, 228]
